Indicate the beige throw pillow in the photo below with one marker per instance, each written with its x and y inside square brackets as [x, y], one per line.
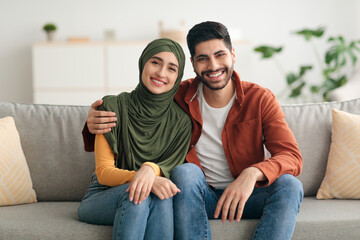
[15, 182]
[342, 177]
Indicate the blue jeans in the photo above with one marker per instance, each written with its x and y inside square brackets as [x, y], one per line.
[152, 219]
[276, 205]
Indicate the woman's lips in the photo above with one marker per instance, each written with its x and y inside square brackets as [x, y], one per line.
[158, 82]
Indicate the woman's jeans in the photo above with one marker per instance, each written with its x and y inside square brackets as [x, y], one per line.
[152, 219]
[276, 205]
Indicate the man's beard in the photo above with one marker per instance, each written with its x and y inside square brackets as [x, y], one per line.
[228, 72]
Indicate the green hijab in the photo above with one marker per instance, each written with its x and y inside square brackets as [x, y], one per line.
[150, 127]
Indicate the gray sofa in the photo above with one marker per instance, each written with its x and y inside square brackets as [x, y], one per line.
[61, 169]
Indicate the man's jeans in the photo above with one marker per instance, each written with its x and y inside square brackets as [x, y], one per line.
[152, 219]
[276, 205]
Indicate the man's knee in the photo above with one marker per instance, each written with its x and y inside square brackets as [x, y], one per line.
[289, 181]
[291, 186]
[187, 174]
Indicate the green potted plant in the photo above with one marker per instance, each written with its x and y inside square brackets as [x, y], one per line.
[50, 29]
[332, 65]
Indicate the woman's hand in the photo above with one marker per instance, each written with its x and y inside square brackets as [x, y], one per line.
[140, 187]
[164, 188]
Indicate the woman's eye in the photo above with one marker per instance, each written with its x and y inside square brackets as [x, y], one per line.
[172, 69]
[155, 62]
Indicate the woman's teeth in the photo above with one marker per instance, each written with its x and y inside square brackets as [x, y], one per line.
[158, 82]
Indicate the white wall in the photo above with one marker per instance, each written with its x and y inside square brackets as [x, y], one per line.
[261, 21]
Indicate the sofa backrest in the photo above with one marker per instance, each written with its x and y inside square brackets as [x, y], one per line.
[311, 125]
[60, 168]
[51, 139]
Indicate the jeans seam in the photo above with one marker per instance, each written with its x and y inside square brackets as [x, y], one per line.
[207, 221]
[121, 215]
[261, 218]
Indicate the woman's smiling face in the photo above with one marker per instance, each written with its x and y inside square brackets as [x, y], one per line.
[160, 72]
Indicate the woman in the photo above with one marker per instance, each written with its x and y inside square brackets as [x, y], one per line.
[131, 189]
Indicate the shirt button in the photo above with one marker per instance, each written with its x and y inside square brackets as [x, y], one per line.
[192, 146]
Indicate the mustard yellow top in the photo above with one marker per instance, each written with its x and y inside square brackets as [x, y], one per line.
[105, 169]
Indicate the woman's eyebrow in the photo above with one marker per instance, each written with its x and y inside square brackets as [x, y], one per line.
[160, 59]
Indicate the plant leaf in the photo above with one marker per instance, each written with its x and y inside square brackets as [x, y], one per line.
[268, 51]
[352, 56]
[304, 69]
[309, 33]
[315, 89]
[297, 91]
[291, 78]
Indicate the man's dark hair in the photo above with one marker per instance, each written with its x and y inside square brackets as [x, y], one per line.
[206, 31]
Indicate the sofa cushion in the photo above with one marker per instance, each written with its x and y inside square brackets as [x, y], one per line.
[15, 181]
[311, 125]
[52, 143]
[342, 178]
[48, 220]
[318, 219]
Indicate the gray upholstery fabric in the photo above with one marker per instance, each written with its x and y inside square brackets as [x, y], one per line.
[311, 125]
[318, 219]
[60, 169]
[47, 220]
[51, 138]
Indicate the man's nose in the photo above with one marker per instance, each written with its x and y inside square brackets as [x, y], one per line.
[213, 64]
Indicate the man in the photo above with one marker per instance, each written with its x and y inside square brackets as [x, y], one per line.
[227, 175]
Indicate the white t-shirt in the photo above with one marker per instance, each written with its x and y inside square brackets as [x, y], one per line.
[209, 148]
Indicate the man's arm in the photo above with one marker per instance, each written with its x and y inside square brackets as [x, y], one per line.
[97, 122]
[237, 193]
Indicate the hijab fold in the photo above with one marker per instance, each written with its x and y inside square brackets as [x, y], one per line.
[150, 127]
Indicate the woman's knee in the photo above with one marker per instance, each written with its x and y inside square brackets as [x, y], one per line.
[163, 205]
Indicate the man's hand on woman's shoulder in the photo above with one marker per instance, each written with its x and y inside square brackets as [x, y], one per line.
[100, 122]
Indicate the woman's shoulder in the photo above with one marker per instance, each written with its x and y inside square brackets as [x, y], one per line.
[112, 102]
[182, 115]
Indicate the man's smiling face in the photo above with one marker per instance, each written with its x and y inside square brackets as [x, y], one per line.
[213, 63]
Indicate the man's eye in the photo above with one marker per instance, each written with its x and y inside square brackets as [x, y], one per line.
[200, 59]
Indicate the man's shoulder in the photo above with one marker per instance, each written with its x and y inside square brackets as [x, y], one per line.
[185, 84]
[250, 86]
[183, 88]
[253, 91]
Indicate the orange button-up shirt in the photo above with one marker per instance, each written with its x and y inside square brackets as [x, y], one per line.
[255, 119]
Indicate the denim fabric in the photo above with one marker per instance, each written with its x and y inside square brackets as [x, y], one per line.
[152, 219]
[276, 205]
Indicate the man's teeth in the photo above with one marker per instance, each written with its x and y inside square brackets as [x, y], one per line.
[215, 75]
[158, 82]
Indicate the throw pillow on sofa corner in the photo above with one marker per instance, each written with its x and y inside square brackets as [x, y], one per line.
[15, 182]
[342, 177]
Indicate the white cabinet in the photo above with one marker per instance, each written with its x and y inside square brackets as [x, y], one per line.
[80, 73]
[68, 73]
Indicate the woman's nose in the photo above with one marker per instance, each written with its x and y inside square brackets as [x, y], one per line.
[161, 72]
